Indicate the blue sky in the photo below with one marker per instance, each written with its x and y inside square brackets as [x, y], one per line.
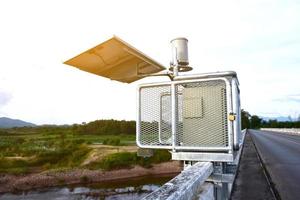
[259, 39]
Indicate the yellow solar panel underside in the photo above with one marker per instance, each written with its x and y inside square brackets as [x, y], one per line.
[116, 60]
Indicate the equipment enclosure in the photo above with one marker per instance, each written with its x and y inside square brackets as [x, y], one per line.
[197, 114]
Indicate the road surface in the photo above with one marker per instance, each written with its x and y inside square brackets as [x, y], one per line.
[251, 182]
[280, 154]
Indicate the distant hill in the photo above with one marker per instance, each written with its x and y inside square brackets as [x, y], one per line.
[279, 119]
[6, 122]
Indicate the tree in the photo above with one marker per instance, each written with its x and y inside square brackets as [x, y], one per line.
[255, 122]
[245, 118]
[106, 127]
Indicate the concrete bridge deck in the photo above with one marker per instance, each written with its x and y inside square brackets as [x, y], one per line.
[251, 181]
[280, 154]
[269, 169]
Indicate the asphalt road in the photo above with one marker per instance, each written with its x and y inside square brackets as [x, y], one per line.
[251, 182]
[280, 154]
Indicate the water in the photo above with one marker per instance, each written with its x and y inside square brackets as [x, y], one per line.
[116, 190]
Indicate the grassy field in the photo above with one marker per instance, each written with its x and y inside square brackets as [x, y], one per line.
[35, 150]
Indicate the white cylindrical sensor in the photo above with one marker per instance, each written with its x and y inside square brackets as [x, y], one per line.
[179, 52]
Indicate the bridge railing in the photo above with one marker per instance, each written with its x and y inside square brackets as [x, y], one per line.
[187, 185]
[202, 180]
[295, 131]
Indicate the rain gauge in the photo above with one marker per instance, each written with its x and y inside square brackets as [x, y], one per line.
[195, 116]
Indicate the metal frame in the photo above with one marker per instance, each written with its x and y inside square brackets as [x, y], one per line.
[204, 156]
[139, 116]
[206, 75]
[236, 111]
[173, 84]
[160, 115]
[174, 114]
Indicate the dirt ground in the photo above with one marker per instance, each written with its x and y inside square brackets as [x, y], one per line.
[99, 151]
[14, 183]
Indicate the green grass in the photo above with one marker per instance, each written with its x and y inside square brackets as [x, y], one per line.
[115, 161]
[42, 150]
[13, 166]
[68, 157]
[110, 141]
[62, 150]
[32, 144]
[128, 159]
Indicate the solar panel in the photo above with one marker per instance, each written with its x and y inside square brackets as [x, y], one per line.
[116, 60]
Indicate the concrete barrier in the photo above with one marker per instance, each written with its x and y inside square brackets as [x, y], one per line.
[295, 131]
[187, 185]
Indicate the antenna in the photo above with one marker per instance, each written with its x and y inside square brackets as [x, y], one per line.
[117, 60]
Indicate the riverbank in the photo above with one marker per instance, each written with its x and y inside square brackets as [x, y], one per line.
[17, 183]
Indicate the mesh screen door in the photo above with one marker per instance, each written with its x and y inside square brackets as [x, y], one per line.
[204, 114]
[201, 115]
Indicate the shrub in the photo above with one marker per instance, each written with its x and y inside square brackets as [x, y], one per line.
[115, 161]
[13, 166]
[127, 159]
[112, 141]
[50, 157]
[66, 157]
[158, 157]
[79, 141]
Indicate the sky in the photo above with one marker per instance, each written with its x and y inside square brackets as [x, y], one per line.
[259, 39]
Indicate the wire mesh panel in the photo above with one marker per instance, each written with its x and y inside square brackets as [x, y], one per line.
[165, 124]
[155, 116]
[202, 114]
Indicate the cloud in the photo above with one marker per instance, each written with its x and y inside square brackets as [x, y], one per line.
[294, 97]
[258, 39]
[5, 97]
[289, 98]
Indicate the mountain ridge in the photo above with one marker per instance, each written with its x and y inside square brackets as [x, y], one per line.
[6, 122]
[279, 119]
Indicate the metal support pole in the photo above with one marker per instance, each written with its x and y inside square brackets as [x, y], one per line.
[175, 70]
[225, 191]
[174, 114]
